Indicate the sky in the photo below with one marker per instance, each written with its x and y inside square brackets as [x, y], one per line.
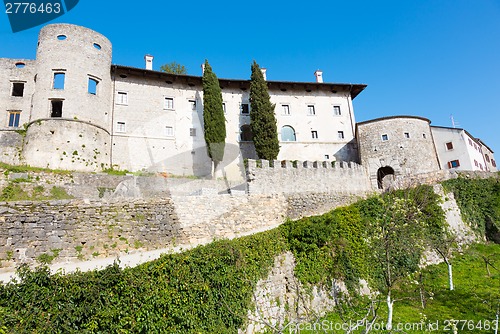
[429, 58]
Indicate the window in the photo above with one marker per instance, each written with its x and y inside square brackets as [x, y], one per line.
[288, 133]
[493, 163]
[246, 133]
[310, 110]
[59, 79]
[454, 164]
[56, 108]
[336, 111]
[14, 117]
[92, 88]
[314, 134]
[481, 166]
[122, 98]
[192, 104]
[470, 142]
[61, 37]
[424, 136]
[385, 137]
[18, 89]
[340, 134]
[224, 107]
[449, 146]
[169, 131]
[327, 157]
[245, 109]
[475, 146]
[169, 103]
[120, 127]
[285, 109]
[475, 163]
[407, 135]
[97, 46]
[487, 157]
[192, 132]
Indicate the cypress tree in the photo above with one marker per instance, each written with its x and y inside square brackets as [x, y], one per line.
[213, 116]
[263, 120]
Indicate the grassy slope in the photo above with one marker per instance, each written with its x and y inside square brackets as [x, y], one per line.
[476, 296]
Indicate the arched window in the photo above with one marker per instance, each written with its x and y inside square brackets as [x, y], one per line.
[246, 133]
[288, 133]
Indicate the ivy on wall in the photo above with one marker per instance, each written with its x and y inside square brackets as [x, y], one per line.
[208, 289]
[479, 203]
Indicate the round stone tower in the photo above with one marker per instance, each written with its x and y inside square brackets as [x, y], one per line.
[71, 109]
[396, 146]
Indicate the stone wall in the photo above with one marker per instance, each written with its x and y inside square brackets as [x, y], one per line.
[312, 204]
[431, 178]
[403, 144]
[11, 144]
[291, 177]
[81, 230]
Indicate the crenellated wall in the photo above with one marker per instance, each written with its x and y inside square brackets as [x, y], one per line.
[291, 177]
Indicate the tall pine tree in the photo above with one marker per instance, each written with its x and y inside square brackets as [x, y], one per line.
[263, 120]
[213, 116]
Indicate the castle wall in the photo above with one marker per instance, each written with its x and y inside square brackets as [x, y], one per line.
[403, 143]
[69, 106]
[303, 177]
[66, 144]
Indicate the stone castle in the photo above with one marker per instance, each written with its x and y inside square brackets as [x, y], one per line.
[72, 109]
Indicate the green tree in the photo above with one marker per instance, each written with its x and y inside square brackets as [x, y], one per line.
[397, 241]
[263, 120]
[213, 116]
[173, 68]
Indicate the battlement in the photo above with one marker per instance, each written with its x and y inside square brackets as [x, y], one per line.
[266, 164]
[288, 177]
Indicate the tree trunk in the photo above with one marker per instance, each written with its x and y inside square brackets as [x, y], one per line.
[450, 275]
[390, 304]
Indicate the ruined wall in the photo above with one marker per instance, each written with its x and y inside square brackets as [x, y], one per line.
[303, 177]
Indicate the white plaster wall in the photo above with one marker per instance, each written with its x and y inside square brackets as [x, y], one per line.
[491, 156]
[145, 144]
[9, 74]
[461, 151]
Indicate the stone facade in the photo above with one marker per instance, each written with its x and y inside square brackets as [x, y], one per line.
[395, 146]
[306, 176]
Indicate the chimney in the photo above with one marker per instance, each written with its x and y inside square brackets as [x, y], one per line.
[149, 62]
[264, 71]
[203, 68]
[319, 76]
